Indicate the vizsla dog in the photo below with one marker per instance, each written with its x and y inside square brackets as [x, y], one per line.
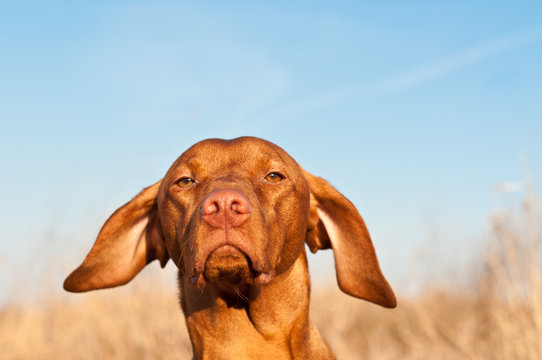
[234, 216]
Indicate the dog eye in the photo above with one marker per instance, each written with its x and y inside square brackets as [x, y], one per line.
[274, 177]
[185, 182]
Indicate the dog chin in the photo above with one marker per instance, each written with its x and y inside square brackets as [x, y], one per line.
[230, 267]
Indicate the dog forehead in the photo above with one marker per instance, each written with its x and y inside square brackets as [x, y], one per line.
[248, 153]
[211, 149]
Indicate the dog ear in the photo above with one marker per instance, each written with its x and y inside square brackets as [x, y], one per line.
[130, 239]
[335, 223]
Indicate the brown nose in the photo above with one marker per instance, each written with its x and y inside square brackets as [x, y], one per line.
[226, 208]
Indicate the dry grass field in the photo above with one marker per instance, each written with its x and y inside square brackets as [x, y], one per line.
[500, 317]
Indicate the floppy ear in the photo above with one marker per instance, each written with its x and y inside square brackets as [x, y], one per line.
[131, 238]
[335, 223]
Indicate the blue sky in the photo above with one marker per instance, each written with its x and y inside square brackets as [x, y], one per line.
[414, 110]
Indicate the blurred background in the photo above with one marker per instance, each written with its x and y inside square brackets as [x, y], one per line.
[427, 116]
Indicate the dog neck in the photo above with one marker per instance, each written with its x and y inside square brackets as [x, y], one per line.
[272, 319]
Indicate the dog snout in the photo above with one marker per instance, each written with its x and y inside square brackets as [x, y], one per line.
[226, 208]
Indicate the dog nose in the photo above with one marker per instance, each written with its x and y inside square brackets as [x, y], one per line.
[226, 208]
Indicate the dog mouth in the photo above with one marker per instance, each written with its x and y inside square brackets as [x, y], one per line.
[228, 265]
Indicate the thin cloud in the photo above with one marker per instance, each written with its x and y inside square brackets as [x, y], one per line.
[432, 71]
[402, 82]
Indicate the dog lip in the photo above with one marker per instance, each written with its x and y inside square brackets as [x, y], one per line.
[262, 273]
[201, 267]
[263, 278]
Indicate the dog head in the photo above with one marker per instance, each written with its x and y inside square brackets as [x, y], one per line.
[231, 213]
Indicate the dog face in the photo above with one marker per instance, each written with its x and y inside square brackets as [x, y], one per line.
[226, 211]
[232, 213]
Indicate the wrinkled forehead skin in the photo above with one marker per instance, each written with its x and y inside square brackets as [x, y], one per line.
[243, 157]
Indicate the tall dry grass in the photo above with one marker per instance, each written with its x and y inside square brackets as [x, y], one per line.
[499, 318]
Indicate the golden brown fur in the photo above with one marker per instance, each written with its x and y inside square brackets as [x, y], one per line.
[234, 216]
